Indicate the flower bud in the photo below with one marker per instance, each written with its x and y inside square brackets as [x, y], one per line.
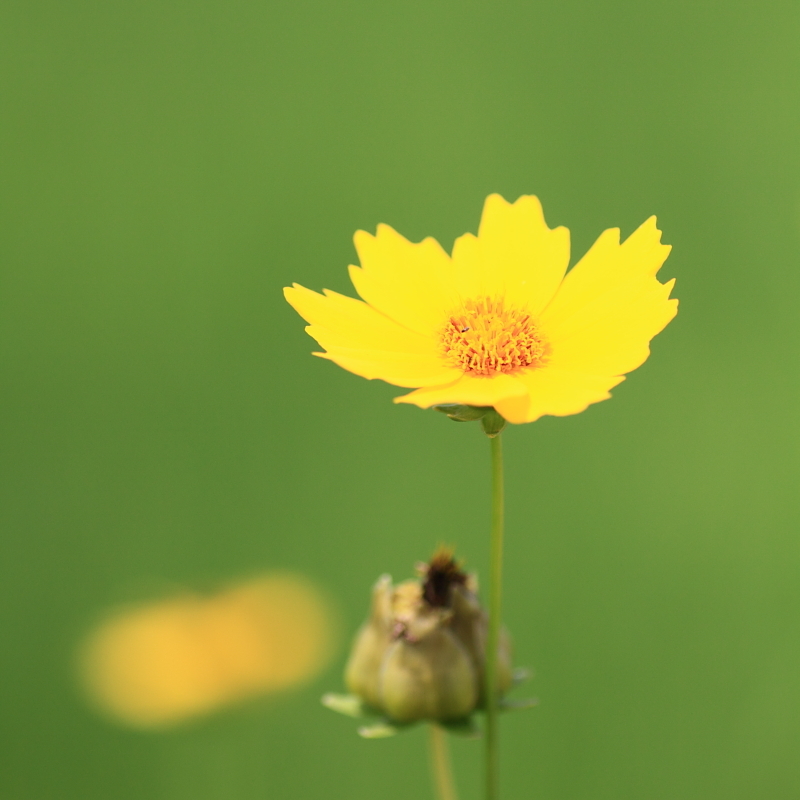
[421, 653]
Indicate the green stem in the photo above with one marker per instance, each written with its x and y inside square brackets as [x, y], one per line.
[493, 635]
[440, 764]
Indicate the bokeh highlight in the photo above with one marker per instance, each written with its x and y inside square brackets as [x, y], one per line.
[188, 655]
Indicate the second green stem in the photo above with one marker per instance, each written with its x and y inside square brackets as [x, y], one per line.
[440, 764]
[493, 634]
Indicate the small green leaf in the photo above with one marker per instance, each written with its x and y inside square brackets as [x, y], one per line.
[347, 704]
[380, 730]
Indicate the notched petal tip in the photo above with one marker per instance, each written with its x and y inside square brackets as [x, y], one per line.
[382, 229]
[297, 288]
[649, 228]
[532, 203]
[289, 291]
[525, 204]
[523, 199]
[495, 202]
[383, 232]
[362, 238]
[652, 220]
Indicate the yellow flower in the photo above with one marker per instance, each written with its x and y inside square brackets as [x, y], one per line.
[500, 322]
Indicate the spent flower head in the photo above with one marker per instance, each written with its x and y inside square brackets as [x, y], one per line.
[421, 653]
[499, 322]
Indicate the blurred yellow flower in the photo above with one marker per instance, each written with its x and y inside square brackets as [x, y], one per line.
[188, 655]
[499, 322]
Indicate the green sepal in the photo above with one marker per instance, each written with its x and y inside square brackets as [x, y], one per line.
[380, 730]
[462, 413]
[352, 706]
[466, 728]
[520, 675]
[517, 705]
[347, 704]
[492, 423]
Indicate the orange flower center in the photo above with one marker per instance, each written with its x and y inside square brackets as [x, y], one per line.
[483, 337]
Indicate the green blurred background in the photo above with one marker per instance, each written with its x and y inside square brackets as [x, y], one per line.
[168, 166]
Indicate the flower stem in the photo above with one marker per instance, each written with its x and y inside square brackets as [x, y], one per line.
[440, 764]
[493, 635]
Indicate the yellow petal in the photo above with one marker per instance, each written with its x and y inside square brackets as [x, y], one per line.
[514, 409]
[473, 391]
[400, 369]
[411, 283]
[364, 341]
[515, 255]
[611, 305]
[605, 266]
[613, 335]
[556, 391]
[352, 323]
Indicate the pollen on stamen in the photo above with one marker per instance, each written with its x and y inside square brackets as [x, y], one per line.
[483, 337]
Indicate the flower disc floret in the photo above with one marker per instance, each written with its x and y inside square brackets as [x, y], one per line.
[483, 337]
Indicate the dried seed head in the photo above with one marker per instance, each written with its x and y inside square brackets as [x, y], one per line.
[420, 655]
